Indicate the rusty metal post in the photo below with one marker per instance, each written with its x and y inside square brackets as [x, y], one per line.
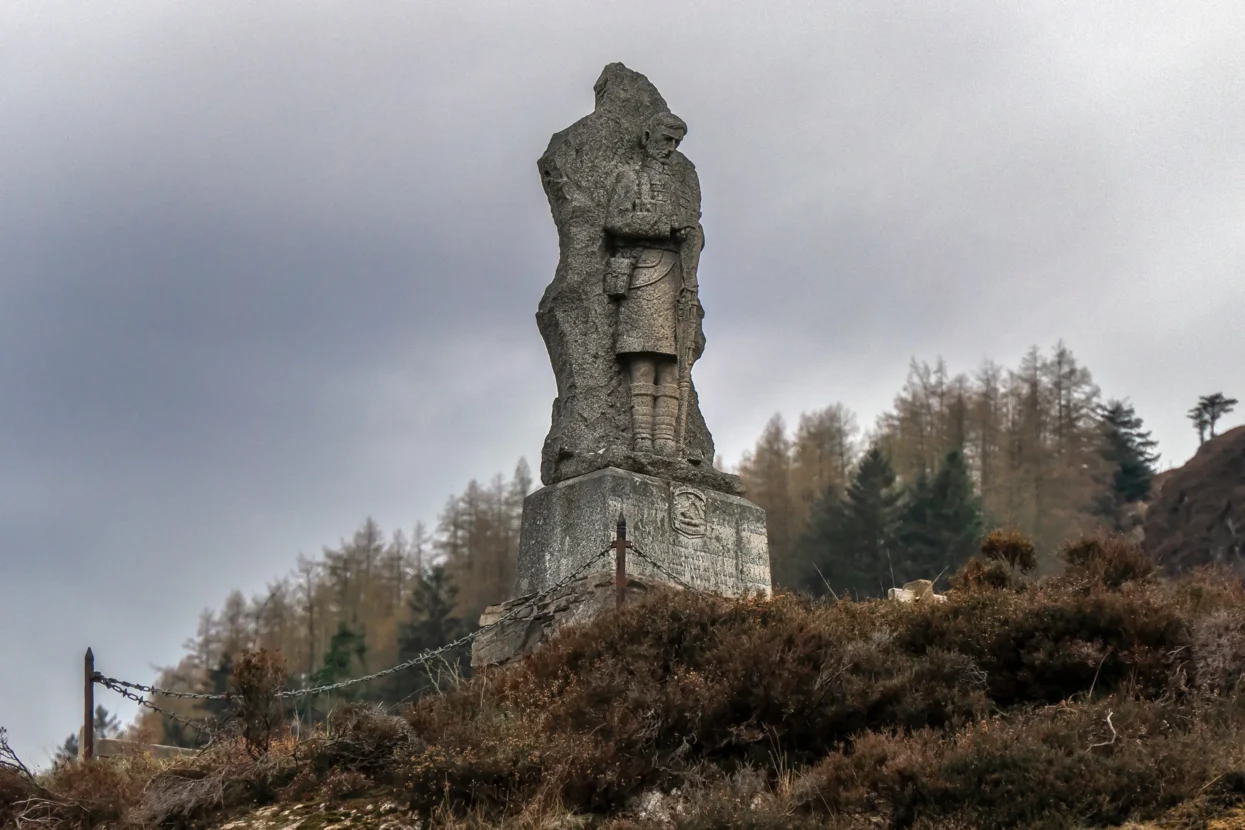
[86, 744]
[620, 562]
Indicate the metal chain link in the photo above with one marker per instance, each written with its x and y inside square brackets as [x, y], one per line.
[423, 658]
[662, 569]
[123, 687]
[125, 692]
[155, 690]
[429, 655]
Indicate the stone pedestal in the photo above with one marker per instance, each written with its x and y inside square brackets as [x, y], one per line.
[709, 540]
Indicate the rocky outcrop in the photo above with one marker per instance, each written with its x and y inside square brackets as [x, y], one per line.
[1197, 515]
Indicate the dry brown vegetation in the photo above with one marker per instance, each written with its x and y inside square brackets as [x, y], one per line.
[1101, 696]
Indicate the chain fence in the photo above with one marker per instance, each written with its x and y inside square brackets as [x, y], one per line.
[200, 726]
[139, 692]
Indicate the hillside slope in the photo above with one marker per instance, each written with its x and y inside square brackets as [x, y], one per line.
[1197, 515]
[1099, 697]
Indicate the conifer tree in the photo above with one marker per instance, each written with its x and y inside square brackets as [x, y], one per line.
[433, 623]
[343, 660]
[1201, 422]
[1215, 406]
[941, 522]
[851, 538]
[1128, 451]
[916, 535]
[818, 548]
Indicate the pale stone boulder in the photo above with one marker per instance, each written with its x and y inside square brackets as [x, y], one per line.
[914, 591]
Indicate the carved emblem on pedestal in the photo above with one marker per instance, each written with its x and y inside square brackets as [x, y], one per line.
[687, 511]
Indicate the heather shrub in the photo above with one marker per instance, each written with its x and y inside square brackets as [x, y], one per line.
[1098, 696]
[1218, 645]
[1011, 547]
[1208, 589]
[15, 789]
[258, 678]
[720, 679]
[1109, 562]
[1007, 558]
[979, 574]
[630, 702]
[82, 795]
[1053, 767]
[345, 784]
[359, 738]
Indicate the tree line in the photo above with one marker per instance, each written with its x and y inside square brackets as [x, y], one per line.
[365, 604]
[1033, 448]
[849, 511]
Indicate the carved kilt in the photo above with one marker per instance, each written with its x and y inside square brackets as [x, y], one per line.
[647, 315]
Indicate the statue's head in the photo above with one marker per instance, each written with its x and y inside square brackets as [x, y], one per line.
[662, 134]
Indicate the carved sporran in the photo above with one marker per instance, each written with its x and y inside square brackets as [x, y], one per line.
[618, 276]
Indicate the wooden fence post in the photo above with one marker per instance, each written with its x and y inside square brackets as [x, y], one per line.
[86, 745]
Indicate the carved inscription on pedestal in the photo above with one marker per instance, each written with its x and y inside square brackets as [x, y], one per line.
[687, 511]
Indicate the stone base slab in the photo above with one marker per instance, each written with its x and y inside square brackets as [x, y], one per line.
[709, 540]
[519, 626]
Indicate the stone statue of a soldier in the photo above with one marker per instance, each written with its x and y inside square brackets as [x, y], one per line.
[653, 223]
[622, 317]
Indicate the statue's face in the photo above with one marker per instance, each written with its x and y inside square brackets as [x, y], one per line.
[661, 144]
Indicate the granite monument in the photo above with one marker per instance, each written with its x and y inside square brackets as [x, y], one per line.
[622, 321]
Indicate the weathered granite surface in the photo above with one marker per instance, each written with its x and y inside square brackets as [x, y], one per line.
[518, 626]
[917, 590]
[626, 205]
[707, 539]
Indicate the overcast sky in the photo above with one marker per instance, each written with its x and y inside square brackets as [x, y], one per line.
[269, 268]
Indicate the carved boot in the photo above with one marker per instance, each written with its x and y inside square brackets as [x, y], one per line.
[666, 413]
[642, 416]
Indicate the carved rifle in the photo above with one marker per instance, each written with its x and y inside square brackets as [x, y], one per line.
[685, 334]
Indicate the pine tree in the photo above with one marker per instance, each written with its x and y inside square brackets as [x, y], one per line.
[432, 624]
[343, 660]
[218, 684]
[1201, 422]
[818, 549]
[1128, 451]
[941, 522]
[917, 539]
[67, 751]
[1215, 406]
[851, 538]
